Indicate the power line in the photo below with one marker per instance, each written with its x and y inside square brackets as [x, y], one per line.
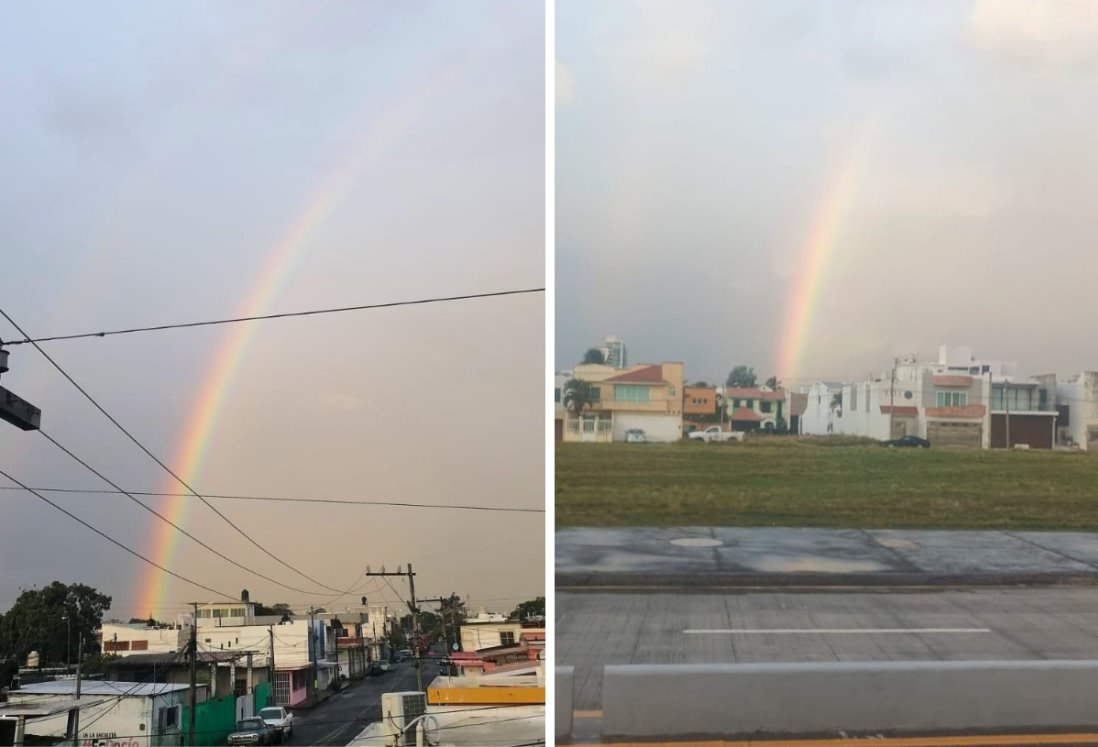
[113, 541]
[284, 315]
[165, 467]
[334, 501]
[169, 522]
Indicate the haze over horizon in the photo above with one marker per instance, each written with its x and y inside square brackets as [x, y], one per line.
[812, 191]
[177, 162]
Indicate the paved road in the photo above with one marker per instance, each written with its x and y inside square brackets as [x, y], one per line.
[718, 556]
[339, 719]
[596, 629]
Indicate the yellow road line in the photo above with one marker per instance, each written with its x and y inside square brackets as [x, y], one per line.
[966, 741]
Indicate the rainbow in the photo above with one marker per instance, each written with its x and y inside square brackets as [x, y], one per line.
[200, 430]
[814, 260]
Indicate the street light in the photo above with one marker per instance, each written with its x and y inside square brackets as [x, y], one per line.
[68, 642]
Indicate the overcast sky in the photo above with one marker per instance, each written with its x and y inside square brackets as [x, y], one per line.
[156, 156]
[698, 143]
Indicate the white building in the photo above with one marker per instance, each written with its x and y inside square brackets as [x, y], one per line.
[613, 352]
[131, 713]
[957, 401]
[1077, 399]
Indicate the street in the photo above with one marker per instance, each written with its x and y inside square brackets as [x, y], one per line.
[595, 629]
[339, 719]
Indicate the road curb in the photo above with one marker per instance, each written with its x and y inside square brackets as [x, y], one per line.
[610, 581]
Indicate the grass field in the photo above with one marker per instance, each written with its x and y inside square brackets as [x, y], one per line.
[823, 483]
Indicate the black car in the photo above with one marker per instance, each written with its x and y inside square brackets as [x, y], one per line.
[912, 442]
[252, 731]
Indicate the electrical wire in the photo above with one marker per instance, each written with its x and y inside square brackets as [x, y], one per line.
[313, 312]
[168, 521]
[336, 501]
[113, 541]
[163, 466]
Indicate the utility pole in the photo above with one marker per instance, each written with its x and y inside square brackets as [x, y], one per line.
[1006, 406]
[312, 654]
[892, 403]
[192, 651]
[411, 576]
[271, 659]
[73, 726]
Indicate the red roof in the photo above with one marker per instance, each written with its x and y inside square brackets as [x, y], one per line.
[646, 375]
[899, 409]
[744, 414]
[752, 393]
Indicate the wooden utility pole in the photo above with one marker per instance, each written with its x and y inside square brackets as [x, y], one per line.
[192, 652]
[79, 661]
[411, 576]
[271, 660]
[1006, 407]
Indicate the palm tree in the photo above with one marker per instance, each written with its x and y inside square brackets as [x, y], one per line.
[577, 395]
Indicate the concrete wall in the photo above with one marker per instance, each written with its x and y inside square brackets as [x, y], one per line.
[826, 697]
[563, 705]
[1080, 394]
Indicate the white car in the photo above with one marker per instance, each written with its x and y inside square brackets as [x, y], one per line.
[635, 436]
[278, 718]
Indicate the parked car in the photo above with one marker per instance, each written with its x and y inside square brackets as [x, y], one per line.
[635, 436]
[385, 665]
[278, 718]
[714, 433]
[913, 442]
[252, 731]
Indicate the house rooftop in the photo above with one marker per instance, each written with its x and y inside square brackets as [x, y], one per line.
[650, 374]
[100, 687]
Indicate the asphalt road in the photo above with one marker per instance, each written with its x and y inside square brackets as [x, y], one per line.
[344, 715]
[596, 629]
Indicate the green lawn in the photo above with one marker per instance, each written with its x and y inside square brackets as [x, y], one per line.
[821, 483]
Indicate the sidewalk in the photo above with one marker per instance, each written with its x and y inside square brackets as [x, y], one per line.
[710, 557]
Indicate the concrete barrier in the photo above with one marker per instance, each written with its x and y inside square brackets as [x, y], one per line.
[562, 689]
[826, 697]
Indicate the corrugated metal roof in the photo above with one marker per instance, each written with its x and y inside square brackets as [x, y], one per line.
[101, 687]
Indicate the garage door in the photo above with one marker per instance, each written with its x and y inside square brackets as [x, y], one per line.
[954, 435]
[655, 426]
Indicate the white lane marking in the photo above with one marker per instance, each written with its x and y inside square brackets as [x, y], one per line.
[830, 631]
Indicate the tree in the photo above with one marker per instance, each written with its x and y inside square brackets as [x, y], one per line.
[281, 609]
[531, 608]
[701, 384]
[741, 376]
[594, 355]
[149, 622]
[577, 395]
[773, 383]
[41, 619]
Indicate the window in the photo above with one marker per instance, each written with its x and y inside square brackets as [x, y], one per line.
[506, 638]
[952, 399]
[556, 395]
[764, 406]
[630, 393]
[749, 404]
[169, 718]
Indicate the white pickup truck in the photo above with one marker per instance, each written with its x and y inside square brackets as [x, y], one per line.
[714, 433]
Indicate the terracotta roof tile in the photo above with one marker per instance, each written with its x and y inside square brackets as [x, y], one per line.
[646, 375]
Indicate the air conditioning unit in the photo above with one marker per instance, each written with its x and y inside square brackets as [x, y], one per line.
[398, 711]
